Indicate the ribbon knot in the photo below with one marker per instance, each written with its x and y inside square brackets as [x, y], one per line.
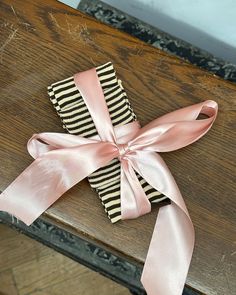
[123, 149]
[62, 160]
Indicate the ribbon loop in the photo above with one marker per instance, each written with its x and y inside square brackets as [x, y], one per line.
[176, 129]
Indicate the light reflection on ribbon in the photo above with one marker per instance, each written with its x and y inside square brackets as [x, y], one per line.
[62, 160]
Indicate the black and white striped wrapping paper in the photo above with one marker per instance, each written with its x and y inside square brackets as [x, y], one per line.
[76, 119]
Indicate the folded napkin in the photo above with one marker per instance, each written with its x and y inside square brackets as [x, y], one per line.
[76, 119]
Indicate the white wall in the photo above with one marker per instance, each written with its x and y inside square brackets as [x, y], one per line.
[72, 3]
[208, 24]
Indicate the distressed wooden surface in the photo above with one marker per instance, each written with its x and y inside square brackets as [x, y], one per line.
[28, 267]
[44, 41]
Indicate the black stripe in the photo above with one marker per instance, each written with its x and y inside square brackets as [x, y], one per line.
[113, 190]
[105, 172]
[104, 66]
[79, 113]
[149, 191]
[56, 105]
[111, 91]
[68, 95]
[113, 117]
[67, 103]
[113, 207]
[63, 89]
[121, 108]
[122, 120]
[100, 75]
[108, 80]
[139, 176]
[80, 125]
[108, 85]
[116, 102]
[115, 99]
[82, 132]
[61, 83]
[115, 214]
[144, 184]
[110, 199]
[89, 135]
[75, 119]
[105, 178]
[155, 198]
[52, 97]
[109, 166]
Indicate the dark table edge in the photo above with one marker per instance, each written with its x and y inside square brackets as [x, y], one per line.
[84, 252]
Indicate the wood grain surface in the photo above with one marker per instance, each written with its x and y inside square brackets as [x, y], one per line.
[44, 41]
[30, 268]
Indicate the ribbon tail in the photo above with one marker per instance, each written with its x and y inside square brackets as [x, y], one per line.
[134, 201]
[172, 242]
[51, 175]
[169, 254]
[32, 192]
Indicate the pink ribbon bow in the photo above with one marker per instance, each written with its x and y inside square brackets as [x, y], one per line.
[62, 160]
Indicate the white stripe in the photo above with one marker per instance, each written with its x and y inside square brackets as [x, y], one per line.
[114, 194]
[115, 219]
[104, 182]
[105, 84]
[120, 111]
[67, 92]
[158, 200]
[107, 68]
[117, 106]
[105, 170]
[117, 98]
[67, 100]
[53, 100]
[111, 203]
[78, 110]
[121, 117]
[65, 83]
[77, 124]
[108, 76]
[111, 174]
[148, 187]
[85, 134]
[124, 122]
[78, 130]
[114, 186]
[114, 211]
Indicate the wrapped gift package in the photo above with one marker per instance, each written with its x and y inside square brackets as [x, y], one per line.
[123, 164]
[71, 108]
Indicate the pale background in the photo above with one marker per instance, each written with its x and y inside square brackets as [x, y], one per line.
[208, 24]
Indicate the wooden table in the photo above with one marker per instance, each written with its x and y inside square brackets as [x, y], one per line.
[44, 41]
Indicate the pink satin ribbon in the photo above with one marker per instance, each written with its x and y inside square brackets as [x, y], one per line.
[62, 160]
